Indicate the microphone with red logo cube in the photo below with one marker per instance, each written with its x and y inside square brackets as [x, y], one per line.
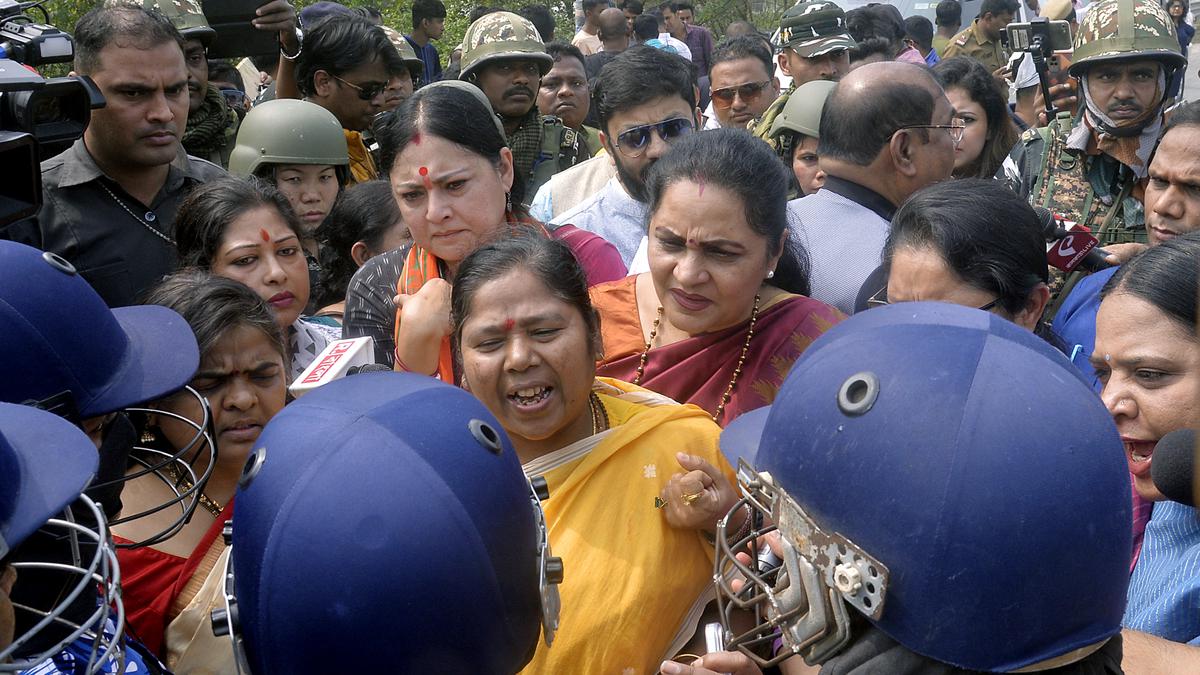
[339, 359]
[1071, 248]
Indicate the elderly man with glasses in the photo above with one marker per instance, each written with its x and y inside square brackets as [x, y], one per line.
[887, 130]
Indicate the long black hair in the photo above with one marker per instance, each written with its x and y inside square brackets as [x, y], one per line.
[365, 212]
[1164, 276]
[550, 260]
[972, 77]
[212, 206]
[744, 165]
[999, 249]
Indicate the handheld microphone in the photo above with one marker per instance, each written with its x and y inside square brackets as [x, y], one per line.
[1173, 466]
[1070, 249]
[334, 363]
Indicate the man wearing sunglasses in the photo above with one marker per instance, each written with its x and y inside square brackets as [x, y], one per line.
[742, 86]
[886, 131]
[645, 99]
[344, 66]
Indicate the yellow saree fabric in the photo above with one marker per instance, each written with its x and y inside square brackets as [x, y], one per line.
[631, 581]
[362, 166]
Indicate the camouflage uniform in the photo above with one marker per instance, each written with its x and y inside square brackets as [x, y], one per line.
[973, 43]
[1095, 190]
[542, 145]
[810, 29]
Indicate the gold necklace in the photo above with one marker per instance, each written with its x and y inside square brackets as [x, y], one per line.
[737, 371]
[181, 481]
[599, 414]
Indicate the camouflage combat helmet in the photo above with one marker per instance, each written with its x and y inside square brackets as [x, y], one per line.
[185, 15]
[814, 28]
[802, 112]
[407, 53]
[288, 131]
[502, 35]
[1126, 29]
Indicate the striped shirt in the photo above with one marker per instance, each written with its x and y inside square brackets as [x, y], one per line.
[1164, 592]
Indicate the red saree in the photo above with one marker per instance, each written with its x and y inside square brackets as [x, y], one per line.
[698, 370]
[152, 582]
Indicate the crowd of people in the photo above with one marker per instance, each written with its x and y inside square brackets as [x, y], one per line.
[843, 345]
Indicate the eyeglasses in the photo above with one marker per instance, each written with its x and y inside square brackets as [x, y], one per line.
[633, 142]
[956, 128]
[367, 93]
[880, 299]
[748, 92]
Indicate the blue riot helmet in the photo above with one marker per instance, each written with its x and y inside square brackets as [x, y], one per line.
[384, 524]
[65, 351]
[944, 474]
[45, 462]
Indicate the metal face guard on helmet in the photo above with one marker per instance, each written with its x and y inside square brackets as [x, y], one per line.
[175, 469]
[98, 571]
[804, 600]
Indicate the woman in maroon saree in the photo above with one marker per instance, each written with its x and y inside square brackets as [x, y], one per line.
[721, 316]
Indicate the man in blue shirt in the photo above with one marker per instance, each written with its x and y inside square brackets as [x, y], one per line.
[429, 21]
[1172, 208]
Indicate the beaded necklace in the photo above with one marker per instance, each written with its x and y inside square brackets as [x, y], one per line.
[737, 371]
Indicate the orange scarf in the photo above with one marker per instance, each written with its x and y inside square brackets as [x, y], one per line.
[421, 266]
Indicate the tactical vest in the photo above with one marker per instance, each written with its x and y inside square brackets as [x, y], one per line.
[763, 128]
[1062, 185]
[559, 150]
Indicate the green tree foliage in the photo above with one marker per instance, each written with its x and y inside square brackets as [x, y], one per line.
[714, 14]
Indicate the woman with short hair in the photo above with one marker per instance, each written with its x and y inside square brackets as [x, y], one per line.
[944, 247]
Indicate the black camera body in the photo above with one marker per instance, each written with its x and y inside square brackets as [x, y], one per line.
[39, 117]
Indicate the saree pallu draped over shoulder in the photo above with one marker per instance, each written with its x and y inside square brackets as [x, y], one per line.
[698, 370]
[633, 586]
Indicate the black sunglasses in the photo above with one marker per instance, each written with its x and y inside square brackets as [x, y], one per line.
[749, 92]
[366, 93]
[633, 142]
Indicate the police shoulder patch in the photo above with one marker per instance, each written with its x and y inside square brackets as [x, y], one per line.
[961, 41]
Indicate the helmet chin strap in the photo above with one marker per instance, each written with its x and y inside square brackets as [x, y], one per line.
[1133, 127]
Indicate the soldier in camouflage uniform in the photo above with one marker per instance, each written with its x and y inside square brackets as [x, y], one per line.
[1091, 169]
[812, 43]
[504, 56]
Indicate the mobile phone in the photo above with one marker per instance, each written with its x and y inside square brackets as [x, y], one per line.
[236, 36]
[1055, 36]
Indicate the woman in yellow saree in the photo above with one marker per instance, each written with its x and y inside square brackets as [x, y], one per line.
[635, 479]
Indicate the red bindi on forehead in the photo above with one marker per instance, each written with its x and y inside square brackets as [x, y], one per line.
[508, 325]
[425, 178]
[266, 236]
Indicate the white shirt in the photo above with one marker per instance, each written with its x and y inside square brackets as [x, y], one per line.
[612, 214]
